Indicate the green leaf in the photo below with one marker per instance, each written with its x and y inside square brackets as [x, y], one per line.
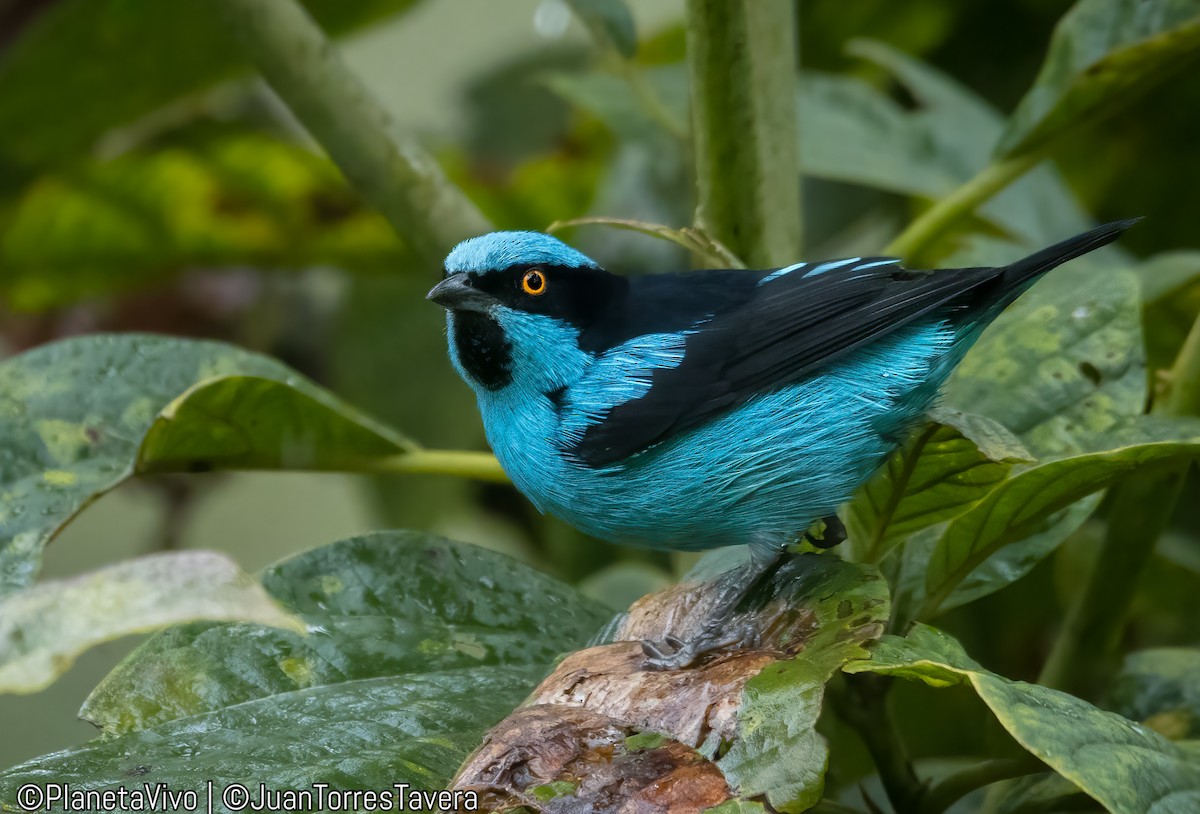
[415, 646]
[251, 422]
[77, 413]
[1127, 767]
[1039, 792]
[946, 141]
[1024, 503]
[107, 226]
[938, 474]
[102, 60]
[644, 104]
[1161, 688]
[1061, 366]
[1164, 275]
[777, 751]
[610, 22]
[1103, 55]
[43, 628]
[853, 132]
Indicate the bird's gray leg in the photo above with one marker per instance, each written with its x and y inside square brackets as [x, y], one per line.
[673, 653]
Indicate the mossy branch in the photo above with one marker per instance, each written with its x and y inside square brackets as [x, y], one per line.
[394, 175]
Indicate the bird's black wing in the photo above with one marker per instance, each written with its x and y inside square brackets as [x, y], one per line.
[775, 333]
[775, 328]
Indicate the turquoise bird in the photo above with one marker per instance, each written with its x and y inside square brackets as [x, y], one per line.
[709, 408]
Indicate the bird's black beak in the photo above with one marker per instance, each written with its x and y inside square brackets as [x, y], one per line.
[456, 293]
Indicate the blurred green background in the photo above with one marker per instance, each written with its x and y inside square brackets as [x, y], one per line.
[143, 186]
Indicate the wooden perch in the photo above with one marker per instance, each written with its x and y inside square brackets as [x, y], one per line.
[575, 746]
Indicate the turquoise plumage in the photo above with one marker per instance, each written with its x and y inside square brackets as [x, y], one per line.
[710, 408]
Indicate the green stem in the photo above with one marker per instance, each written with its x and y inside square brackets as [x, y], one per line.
[1183, 397]
[742, 64]
[395, 176]
[1139, 509]
[475, 465]
[958, 785]
[913, 242]
[862, 704]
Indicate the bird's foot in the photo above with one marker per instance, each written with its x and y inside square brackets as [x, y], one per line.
[673, 653]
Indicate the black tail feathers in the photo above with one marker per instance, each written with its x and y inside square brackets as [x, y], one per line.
[1040, 262]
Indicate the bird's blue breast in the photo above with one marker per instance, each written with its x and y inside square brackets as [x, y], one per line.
[760, 473]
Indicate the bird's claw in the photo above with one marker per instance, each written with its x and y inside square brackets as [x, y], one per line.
[673, 653]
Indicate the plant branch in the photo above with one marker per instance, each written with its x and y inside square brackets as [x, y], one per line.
[742, 65]
[949, 790]
[395, 176]
[916, 239]
[475, 465]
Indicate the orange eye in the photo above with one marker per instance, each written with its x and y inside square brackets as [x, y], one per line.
[534, 283]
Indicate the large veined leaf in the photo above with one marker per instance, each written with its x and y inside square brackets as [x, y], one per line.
[107, 226]
[1127, 767]
[415, 645]
[749, 713]
[938, 474]
[82, 415]
[86, 66]
[1104, 54]
[43, 628]
[1023, 504]
[1161, 688]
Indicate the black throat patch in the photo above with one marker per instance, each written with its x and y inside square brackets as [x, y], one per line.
[483, 349]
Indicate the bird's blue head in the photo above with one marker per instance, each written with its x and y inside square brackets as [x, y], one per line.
[523, 309]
